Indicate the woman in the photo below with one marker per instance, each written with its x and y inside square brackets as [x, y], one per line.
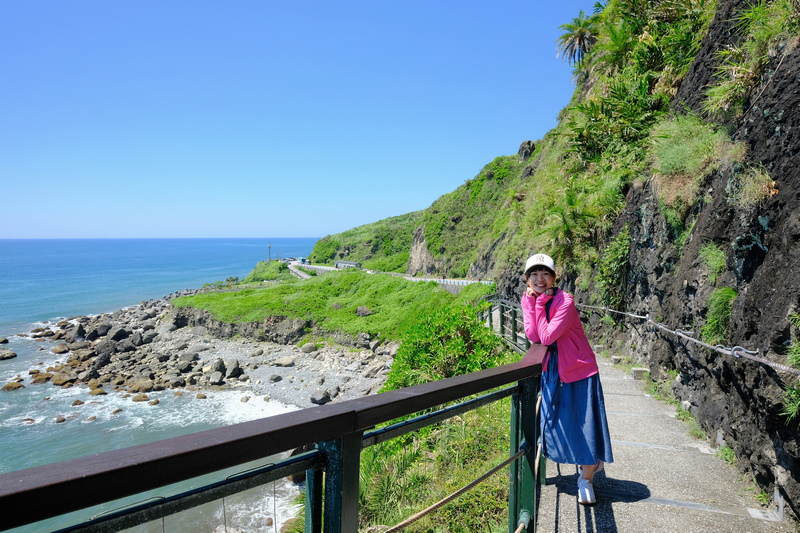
[574, 426]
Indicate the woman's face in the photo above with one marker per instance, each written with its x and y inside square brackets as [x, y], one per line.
[540, 280]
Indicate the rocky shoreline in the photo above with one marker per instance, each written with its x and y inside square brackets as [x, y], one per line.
[153, 346]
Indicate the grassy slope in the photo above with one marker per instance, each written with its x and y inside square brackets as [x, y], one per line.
[382, 245]
[394, 302]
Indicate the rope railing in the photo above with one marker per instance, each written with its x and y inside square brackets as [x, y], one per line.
[735, 351]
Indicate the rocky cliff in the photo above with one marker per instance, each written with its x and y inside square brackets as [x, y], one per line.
[737, 401]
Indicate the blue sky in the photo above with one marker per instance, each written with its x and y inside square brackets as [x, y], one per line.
[262, 118]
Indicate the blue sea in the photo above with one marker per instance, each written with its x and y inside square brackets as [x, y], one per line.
[44, 281]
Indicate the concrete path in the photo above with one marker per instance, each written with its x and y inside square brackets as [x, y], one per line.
[662, 479]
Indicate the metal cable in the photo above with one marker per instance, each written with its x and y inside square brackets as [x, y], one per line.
[736, 351]
[524, 448]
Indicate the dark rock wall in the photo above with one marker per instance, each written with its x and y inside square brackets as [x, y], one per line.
[737, 401]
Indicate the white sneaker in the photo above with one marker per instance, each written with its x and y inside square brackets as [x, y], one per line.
[585, 492]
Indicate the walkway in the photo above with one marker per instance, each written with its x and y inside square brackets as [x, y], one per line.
[662, 479]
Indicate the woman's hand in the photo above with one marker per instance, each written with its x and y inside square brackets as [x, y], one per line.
[530, 292]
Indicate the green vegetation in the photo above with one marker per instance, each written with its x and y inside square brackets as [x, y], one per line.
[394, 302]
[685, 150]
[751, 187]
[720, 305]
[714, 259]
[269, 271]
[448, 342]
[382, 245]
[726, 454]
[766, 27]
[791, 391]
[309, 271]
[612, 269]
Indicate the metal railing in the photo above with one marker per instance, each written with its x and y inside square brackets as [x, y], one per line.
[339, 431]
[505, 318]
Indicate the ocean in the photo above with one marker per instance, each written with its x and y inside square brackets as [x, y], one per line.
[44, 281]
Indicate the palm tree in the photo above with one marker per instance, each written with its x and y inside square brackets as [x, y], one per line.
[579, 37]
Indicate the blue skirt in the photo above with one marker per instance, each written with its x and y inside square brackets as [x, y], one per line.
[574, 425]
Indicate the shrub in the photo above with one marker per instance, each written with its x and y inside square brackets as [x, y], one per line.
[750, 187]
[720, 305]
[612, 270]
[268, 271]
[714, 259]
[447, 342]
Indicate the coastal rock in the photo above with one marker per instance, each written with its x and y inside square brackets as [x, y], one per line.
[42, 377]
[140, 398]
[117, 333]
[140, 384]
[232, 369]
[60, 419]
[63, 377]
[97, 392]
[5, 353]
[320, 397]
[60, 348]
[75, 334]
[285, 361]
[105, 348]
[3, 340]
[14, 385]
[309, 347]
[216, 378]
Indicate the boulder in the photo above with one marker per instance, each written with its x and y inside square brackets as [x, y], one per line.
[105, 348]
[75, 334]
[373, 369]
[216, 378]
[137, 339]
[63, 377]
[149, 336]
[60, 348]
[285, 361]
[274, 378]
[309, 347]
[14, 385]
[3, 340]
[232, 369]
[117, 333]
[140, 384]
[140, 398]
[201, 396]
[218, 366]
[320, 397]
[363, 340]
[97, 392]
[363, 310]
[77, 403]
[5, 353]
[42, 377]
[60, 419]
[526, 149]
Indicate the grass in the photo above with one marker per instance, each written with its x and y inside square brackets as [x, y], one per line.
[727, 454]
[269, 271]
[720, 306]
[714, 259]
[394, 302]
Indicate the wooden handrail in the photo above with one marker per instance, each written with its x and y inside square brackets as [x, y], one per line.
[75, 484]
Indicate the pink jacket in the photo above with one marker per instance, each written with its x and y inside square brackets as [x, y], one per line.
[576, 360]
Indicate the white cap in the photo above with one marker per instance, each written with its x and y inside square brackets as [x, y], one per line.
[540, 259]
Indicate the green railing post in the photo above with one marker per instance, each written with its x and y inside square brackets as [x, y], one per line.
[343, 457]
[313, 520]
[514, 325]
[524, 426]
[502, 309]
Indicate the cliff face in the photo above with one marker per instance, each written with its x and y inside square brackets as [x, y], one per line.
[736, 400]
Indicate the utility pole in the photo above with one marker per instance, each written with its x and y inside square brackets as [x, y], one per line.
[270, 252]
